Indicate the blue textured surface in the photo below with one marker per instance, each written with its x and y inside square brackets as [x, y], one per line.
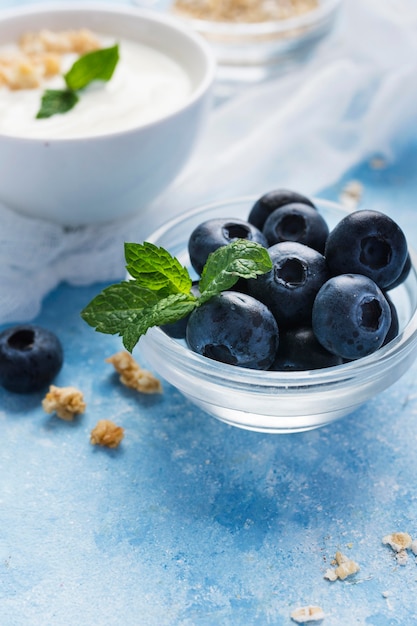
[191, 521]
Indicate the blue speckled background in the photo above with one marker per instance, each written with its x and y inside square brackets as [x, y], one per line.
[192, 522]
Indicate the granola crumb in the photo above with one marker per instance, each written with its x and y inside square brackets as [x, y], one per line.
[402, 557]
[351, 194]
[38, 56]
[106, 433]
[345, 567]
[398, 541]
[78, 41]
[66, 402]
[304, 614]
[378, 163]
[133, 375]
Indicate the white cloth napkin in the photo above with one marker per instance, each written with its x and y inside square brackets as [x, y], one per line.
[353, 99]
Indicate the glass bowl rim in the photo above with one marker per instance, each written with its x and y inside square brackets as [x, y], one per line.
[368, 366]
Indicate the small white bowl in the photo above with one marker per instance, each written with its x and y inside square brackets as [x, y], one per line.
[277, 402]
[83, 180]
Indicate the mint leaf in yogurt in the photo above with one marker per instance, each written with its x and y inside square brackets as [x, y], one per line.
[160, 290]
[96, 65]
[56, 101]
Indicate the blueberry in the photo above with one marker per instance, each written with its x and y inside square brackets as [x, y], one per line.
[272, 200]
[177, 329]
[403, 275]
[369, 243]
[351, 316]
[217, 232]
[299, 350]
[30, 358]
[234, 328]
[297, 222]
[395, 324]
[290, 288]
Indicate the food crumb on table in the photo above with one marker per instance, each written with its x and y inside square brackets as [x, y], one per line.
[304, 614]
[398, 541]
[66, 402]
[106, 433]
[345, 567]
[133, 375]
[351, 194]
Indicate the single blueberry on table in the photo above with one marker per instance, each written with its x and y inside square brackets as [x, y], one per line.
[299, 350]
[351, 316]
[30, 358]
[217, 232]
[369, 243]
[290, 288]
[297, 222]
[273, 200]
[234, 328]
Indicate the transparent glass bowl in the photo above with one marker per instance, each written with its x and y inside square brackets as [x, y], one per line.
[251, 51]
[277, 402]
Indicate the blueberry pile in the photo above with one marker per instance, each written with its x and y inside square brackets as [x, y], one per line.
[325, 301]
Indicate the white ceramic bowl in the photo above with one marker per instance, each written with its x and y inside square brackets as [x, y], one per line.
[277, 402]
[84, 180]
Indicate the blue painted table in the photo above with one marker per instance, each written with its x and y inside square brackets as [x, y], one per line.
[192, 522]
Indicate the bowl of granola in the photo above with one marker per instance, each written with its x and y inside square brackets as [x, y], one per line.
[100, 108]
[253, 38]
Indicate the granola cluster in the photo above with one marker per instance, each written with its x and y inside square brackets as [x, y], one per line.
[250, 11]
[38, 56]
[67, 402]
[133, 375]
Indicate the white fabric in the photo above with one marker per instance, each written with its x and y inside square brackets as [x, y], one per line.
[354, 98]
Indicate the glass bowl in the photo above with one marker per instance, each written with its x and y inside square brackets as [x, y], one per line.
[251, 51]
[277, 402]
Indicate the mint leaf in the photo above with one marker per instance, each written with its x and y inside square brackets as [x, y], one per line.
[224, 266]
[56, 101]
[97, 65]
[156, 269]
[129, 309]
[160, 291]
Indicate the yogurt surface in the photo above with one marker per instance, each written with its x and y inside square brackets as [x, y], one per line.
[145, 86]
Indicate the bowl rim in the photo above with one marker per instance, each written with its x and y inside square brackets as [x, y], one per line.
[367, 367]
[324, 11]
[147, 15]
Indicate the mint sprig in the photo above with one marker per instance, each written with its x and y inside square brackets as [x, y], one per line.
[160, 290]
[96, 65]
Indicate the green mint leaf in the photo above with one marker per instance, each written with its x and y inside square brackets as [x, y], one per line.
[156, 269]
[97, 65]
[56, 101]
[129, 310]
[166, 310]
[224, 266]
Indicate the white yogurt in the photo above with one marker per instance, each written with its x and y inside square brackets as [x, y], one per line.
[145, 86]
